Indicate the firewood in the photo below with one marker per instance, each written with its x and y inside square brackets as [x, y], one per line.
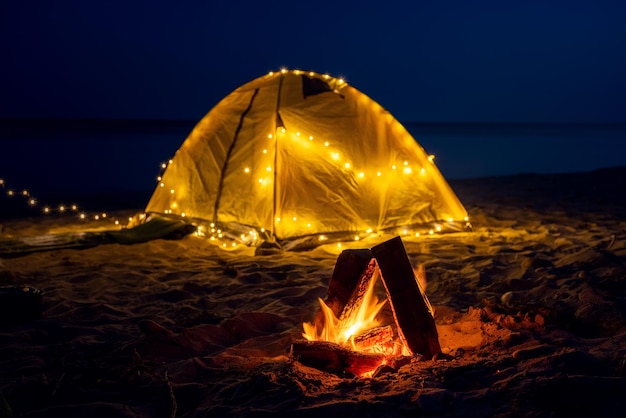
[409, 304]
[333, 358]
[356, 298]
[348, 270]
[376, 340]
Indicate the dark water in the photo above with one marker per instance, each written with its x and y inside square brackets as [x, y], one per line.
[469, 151]
[100, 157]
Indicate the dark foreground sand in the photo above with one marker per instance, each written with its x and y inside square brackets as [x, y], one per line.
[530, 308]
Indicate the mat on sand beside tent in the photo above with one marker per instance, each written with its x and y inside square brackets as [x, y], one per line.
[155, 228]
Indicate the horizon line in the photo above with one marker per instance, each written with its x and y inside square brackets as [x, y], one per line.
[96, 120]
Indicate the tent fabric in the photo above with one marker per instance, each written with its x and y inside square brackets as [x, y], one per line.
[296, 154]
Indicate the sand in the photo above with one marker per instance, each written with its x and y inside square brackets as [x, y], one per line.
[530, 308]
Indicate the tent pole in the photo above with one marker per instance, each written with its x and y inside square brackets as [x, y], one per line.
[278, 123]
[220, 186]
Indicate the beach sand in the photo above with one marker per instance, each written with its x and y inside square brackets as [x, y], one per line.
[530, 309]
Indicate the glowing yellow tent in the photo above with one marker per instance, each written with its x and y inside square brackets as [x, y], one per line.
[294, 156]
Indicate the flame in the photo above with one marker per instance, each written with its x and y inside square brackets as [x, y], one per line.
[343, 330]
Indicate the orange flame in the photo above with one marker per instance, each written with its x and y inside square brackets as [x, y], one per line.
[342, 331]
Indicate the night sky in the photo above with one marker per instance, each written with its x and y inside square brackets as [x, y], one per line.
[450, 61]
[425, 61]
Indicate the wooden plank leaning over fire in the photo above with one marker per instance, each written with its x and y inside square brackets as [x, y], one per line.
[348, 270]
[409, 304]
[358, 293]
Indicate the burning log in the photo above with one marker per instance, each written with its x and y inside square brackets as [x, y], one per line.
[348, 271]
[346, 336]
[333, 358]
[376, 340]
[366, 279]
[410, 307]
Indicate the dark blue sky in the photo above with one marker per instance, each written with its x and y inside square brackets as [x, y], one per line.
[426, 61]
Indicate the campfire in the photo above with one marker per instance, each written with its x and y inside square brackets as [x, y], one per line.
[349, 335]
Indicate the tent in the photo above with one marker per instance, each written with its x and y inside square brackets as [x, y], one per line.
[296, 156]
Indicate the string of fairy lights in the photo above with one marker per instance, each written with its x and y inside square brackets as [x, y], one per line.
[31, 202]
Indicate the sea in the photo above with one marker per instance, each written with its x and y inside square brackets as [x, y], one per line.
[72, 159]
